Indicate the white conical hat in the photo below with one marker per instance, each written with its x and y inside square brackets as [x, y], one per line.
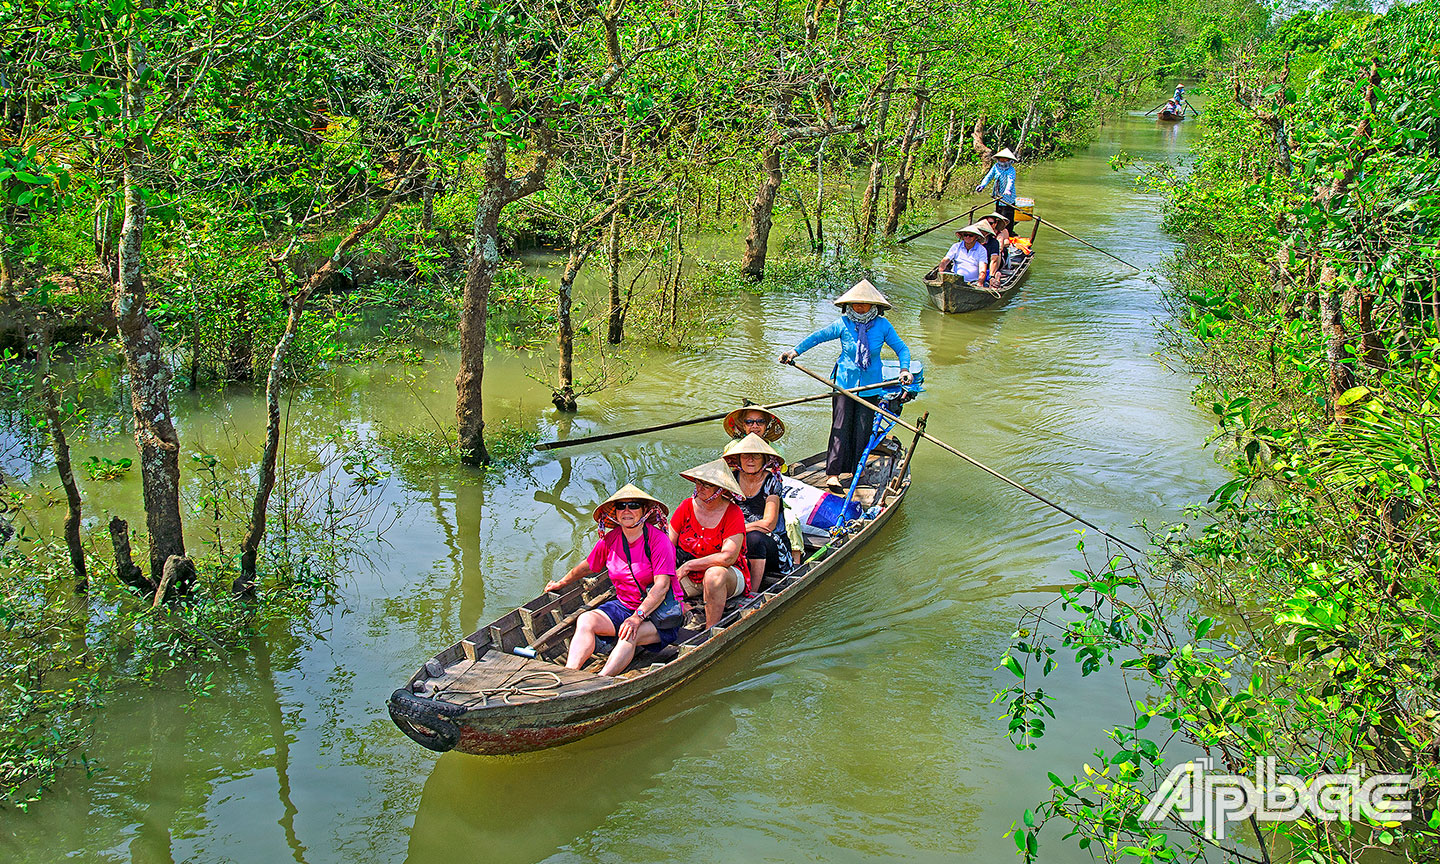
[863, 292]
[1005, 154]
[972, 229]
[716, 473]
[630, 492]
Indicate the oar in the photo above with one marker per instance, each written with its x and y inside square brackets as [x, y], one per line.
[933, 227]
[854, 396]
[591, 439]
[1192, 108]
[1156, 108]
[1087, 243]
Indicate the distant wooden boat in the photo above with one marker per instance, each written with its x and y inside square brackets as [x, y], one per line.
[486, 695]
[951, 294]
[1172, 116]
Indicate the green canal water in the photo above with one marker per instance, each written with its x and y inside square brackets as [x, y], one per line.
[857, 726]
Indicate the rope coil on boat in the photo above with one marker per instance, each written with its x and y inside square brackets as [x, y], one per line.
[485, 694]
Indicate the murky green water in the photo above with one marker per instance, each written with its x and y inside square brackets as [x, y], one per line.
[857, 726]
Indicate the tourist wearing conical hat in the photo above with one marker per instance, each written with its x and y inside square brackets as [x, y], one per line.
[708, 531]
[637, 552]
[753, 418]
[1002, 175]
[757, 472]
[862, 331]
[968, 258]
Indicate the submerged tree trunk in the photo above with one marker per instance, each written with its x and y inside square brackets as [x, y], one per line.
[900, 198]
[61, 446]
[616, 331]
[244, 584]
[762, 213]
[1339, 375]
[143, 349]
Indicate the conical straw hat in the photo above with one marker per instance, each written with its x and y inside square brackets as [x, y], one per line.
[774, 430]
[996, 215]
[985, 228]
[972, 229]
[863, 292]
[751, 443]
[1005, 154]
[716, 473]
[629, 492]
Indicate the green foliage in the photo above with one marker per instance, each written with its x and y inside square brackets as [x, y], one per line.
[1299, 619]
[102, 468]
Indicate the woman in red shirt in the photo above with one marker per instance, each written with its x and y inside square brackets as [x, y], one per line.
[708, 530]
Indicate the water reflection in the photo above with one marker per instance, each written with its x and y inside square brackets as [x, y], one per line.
[856, 726]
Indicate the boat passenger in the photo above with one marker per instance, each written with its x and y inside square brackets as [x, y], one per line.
[1171, 107]
[708, 530]
[757, 471]
[968, 258]
[753, 418]
[1000, 224]
[992, 252]
[639, 555]
[863, 332]
[1002, 174]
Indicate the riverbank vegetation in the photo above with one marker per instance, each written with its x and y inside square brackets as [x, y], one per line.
[235, 194]
[1298, 619]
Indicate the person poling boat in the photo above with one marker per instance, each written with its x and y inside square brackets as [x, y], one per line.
[863, 331]
[1002, 175]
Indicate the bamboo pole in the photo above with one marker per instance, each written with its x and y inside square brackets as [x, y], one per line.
[608, 436]
[1088, 243]
[854, 396]
[941, 225]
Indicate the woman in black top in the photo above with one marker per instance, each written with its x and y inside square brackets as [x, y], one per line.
[757, 470]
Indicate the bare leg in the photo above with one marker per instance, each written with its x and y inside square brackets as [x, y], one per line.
[757, 573]
[582, 645]
[719, 583]
[624, 651]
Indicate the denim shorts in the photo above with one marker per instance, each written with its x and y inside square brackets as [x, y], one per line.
[617, 612]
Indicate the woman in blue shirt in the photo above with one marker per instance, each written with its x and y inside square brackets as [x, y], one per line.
[862, 331]
[1002, 174]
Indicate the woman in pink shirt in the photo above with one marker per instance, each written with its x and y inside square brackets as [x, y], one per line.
[636, 551]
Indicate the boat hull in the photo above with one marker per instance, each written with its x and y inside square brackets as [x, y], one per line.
[1171, 117]
[952, 295]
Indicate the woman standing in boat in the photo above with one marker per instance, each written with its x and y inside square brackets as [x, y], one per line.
[708, 529]
[862, 331]
[637, 553]
[757, 471]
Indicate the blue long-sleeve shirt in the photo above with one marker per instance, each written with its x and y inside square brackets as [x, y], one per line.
[1004, 178]
[848, 373]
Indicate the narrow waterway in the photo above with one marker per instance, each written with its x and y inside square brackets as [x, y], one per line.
[855, 727]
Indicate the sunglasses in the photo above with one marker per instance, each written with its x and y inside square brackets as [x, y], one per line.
[755, 421]
[629, 505]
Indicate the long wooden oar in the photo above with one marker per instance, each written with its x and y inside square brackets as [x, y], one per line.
[1088, 243]
[1156, 108]
[607, 436]
[854, 396]
[941, 225]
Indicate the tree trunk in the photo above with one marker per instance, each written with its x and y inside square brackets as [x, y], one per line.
[870, 204]
[900, 199]
[563, 397]
[1337, 343]
[762, 212]
[143, 349]
[244, 584]
[62, 466]
[475, 307]
[949, 155]
[125, 569]
[616, 333]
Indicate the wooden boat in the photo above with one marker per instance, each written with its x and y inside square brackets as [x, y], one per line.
[1172, 116]
[951, 294]
[485, 695]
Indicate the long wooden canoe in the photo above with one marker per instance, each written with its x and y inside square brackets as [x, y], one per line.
[483, 695]
[951, 294]
[1172, 116]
